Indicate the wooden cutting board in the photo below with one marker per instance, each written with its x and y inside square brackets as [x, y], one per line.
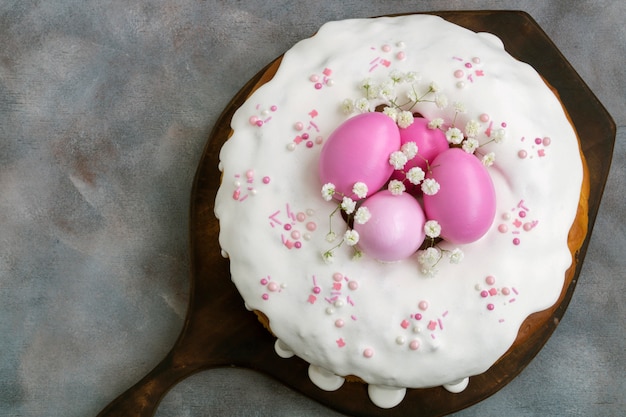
[219, 331]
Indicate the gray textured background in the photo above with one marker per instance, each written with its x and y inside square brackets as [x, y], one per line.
[105, 107]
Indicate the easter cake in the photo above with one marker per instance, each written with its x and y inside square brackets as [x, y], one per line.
[393, 203]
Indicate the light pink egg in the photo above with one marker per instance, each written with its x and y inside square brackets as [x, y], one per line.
[430, 143]
[395, 230]
[465, 204]
[358, 151]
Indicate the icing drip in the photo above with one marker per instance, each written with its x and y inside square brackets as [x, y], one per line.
[386, 397]
[324, 379]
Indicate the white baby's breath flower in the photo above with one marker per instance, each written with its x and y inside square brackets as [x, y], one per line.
[489, 159]
[328, 190]
[459, 107]
[360, 189]
[396, 187]
[454, 135]
[435, 123]
[351, 237]
[362, 215]
[470, 145]
[413, 96]
[367, 83]
[386, 91]
[441, 101]
[348, 205]
[456, 256]
[499, 135]
[391, 112]
[471, 128]
[428, 258]
[409, 149]
[433, 87]
[357, 255]
[398, 159]
[329, 257]
[362, 105]
[347, 106]
[405, 119]
[430, 186]
[330, 237]
[415, 175]
[412, 77]
[397, 76]
[373, 92]
[432, 229]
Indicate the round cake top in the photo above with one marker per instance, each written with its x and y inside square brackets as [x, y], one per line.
[442, 313]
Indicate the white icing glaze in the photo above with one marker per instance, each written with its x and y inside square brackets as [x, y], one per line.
[324, 379]
[457, 386]
[385, 397]
[374, 328]
[282, 350]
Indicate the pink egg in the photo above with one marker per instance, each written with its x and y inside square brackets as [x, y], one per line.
[395, 230]
[465, 204]
[358, 150]
[430, 143]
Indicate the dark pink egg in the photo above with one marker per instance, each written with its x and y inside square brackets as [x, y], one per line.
[395, 230]
[465, 205]
[358, 151]
[430, 143]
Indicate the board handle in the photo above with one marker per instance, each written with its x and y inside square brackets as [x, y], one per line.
[143, 398]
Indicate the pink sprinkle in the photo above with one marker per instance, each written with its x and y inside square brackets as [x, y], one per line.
[305, 136]
[506, 291]
[538, 141]
[327, 72]
[476, 60]
[479, 73]
[287, 227]
[521, 205]
[385, 62]
[297, 245]
[515, 291]
[418, 316]
[372, 68]
[488, 131]
[273, 108]
[266, 180]
[349, 300]
[541, 152]
[445, 313]
[341, 343]
[374, 60]
[484, 117]
[319, 140]
[468, 65]
[404, 324]
[401, 55]
[368, 353]
[522, 154]
[249, 174]
[318, 86]
[314, 78]
[516, 241]
[313, 113]
[501, 321]
[265, 296]
[547, 141]
[236, 194]
[423, 305]
[259, 123]
[317, 290]
[457, 58]
[353, 317]
[272, 286]
[432, 325]
[263, 281]
[297, 139]
[414, 345]
[440, 324]
[299, 126]
[312, 299]
[253, 120]
[288, 244]
[309, 144]
[337, 276]
[243, 198]
[386, 48]
[337, 286]
[339, 323]
[503, 124]
[512, 300]
[353, 285]
[493, 291]
[311, 226]
[459, 73]
[490, 307]
[490, 280]
[503, 228]
[484, 293]
[314, 126]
